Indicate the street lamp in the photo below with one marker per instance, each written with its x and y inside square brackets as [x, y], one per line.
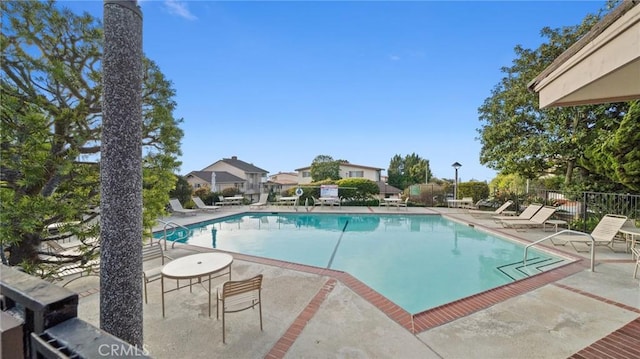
[456, 165]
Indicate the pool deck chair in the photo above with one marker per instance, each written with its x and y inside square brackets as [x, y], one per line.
[239, 295]
[603, 235]
[176, 207]
[636, 253]
[537, 220]
[502, 210]
[404, 204]
[203, 207]
[528, 213]
[152, 272]
[262, 202]
[78, 270]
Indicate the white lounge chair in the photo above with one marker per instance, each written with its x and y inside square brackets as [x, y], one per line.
[528, 213]
[176, 207]
[262, 202]
[502, 210]
[603, 235]
[537, 220]
[203, 207]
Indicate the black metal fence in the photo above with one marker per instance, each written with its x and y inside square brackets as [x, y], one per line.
[585, 209]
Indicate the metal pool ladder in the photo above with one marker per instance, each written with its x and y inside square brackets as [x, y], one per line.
[169, 229]
[593, 245]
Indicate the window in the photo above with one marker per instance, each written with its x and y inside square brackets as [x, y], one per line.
[306, 174]
[355, 174]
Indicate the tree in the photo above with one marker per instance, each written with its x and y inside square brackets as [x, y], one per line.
[517, 137]
[324, 167]
[412, 169]
[182, 190]
[51, 119]
[617, 154]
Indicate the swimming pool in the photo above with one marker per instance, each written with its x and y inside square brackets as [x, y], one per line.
[417, 261]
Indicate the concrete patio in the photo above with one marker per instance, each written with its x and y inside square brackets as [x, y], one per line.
[309, 312]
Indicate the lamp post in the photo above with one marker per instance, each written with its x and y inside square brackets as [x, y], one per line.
[456, 165]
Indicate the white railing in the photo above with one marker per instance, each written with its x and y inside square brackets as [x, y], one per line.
[171, 227]
[593, 245]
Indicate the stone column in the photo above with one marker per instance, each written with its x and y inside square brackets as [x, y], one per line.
[121, 173]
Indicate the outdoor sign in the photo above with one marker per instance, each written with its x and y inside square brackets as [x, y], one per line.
[329, 190]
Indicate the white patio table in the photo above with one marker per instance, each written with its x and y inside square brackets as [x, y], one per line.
[202, 266]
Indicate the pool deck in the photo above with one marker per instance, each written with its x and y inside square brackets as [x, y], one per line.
[311, 312]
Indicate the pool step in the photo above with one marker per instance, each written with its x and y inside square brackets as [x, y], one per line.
[179, 235]
[518, 270]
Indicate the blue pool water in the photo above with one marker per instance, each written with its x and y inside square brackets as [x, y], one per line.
[416, 261]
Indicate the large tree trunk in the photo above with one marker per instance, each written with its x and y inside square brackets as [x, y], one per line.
[25, 251]
[568, 176]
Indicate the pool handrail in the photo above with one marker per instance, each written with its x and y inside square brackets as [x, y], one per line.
[173, 227]
[593, 245]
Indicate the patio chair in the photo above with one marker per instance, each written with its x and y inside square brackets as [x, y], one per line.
[537, 220]
[239, 295]
[203, 207]
[262, 202]
[316, 202]
[528, 213]
[89, 268]
[499, 211]
[467, 202]
[176, 207]
[152, 273]
[636, 253]
[603, 235]
[404, 203]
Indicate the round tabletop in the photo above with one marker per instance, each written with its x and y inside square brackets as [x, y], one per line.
[634, 231]
[196, 265]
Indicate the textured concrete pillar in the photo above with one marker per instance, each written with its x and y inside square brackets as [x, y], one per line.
[121, 173]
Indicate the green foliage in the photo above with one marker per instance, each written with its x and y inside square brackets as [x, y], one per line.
[205, 194]
[404, 172]
[310, 190]
[616, 155]
[51, 129]
[324, 167]
[182, 190]
[229, 192]
[357, 189]
[475, 189]
[518, 137]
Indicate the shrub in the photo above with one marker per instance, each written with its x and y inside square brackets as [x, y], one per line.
[475, 189]
[357, 189]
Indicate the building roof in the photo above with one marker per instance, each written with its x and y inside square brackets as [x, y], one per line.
[247, 167]
[346, 164]
[242, 165]
[221, 176]
[603, 66]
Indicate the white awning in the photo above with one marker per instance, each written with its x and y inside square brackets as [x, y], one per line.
[604, 66]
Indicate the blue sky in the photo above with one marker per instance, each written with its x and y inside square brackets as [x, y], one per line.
[278, 83]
